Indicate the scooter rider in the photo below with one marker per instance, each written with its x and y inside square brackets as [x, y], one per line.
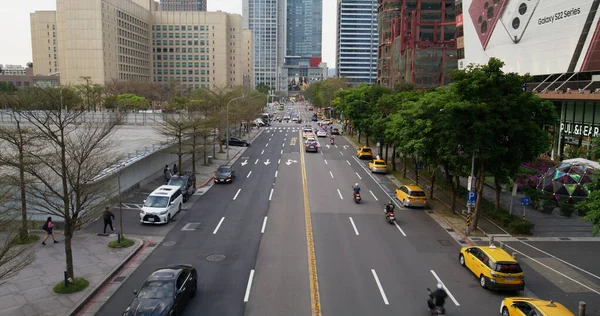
[356, 188]
[438, 297]
[389, 208]
[331, 139]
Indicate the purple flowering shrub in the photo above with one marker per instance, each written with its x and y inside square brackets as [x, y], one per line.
[539, 164]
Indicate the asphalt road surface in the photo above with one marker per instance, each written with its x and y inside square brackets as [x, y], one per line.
[248, 240]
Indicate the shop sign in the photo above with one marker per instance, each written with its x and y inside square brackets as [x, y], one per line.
[580, 129]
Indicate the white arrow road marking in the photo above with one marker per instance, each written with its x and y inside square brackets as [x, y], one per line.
[271, 194]
[354, 226]
[376, 199]
[262, 152]
[249, 173]
[290, 161]
[400, 229]
[385, 300]
[445, 288]
[262, 230]
[325, 161]
[245, 162]
[249, 286]
[345, 147]
[358, 175]
[267, 162]
[256, 161]
[219, 225]
[331, 174]
[340, 194]
[348, 163]
[238, 192]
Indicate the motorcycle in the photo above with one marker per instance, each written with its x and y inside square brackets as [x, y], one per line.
[331, 141]
[357, 198]
[390, 217]
[434, 310]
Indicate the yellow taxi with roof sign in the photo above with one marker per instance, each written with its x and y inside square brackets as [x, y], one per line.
[377, 165]
[364, 153]
[523, 306]
[411, 195]
[494, 267]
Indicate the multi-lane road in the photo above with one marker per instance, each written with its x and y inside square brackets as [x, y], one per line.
[286, 238]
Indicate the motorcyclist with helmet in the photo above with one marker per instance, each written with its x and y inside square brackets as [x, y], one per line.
[356, 188]
[389, 208]
[437, 298]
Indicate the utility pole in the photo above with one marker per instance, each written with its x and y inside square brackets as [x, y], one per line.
[471, 189]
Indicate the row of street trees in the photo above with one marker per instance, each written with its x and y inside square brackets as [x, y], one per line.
[51, 158]
[484, 113]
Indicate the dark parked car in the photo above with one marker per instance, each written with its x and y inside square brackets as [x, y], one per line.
[224, 174]
[186, 181]
[335, 131]
[165, 292]
[234, 141]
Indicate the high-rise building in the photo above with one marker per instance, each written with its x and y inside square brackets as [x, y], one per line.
[416, 42]
[303, 28]
[183, 5]
[266, 20]
[357, 41]
[131, 40]
[44, 42]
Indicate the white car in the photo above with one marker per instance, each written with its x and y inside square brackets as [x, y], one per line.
[324, 122]
[161, 205]
[310, 139]
[295, 119]
[306, 132]
[321, 133]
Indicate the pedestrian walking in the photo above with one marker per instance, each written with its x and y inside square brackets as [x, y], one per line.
[167, 173]
[175, 169]
[49, 231]
[108, 216]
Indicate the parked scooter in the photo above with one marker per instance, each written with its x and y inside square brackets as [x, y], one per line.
[434, 310]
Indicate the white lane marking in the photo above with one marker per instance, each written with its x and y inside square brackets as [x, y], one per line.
[559, 259]
[249, 173]
[281, 152]
[321, 153]
[445, 288]
[325, 161]
[285, 139]
[354, 226]
[238, 192]
[262, 230]
[256, 161]
[400, 229]
[283, 145]
[267, 145]
[341, 153]
[271, 194]
[348, 163]
[219, 225]
[262, 152]
[385, 300]
[331, 174]
[554, 270]
[279, 161]
[335, 146]
[358, 175]
[249, 286]
[340, 193]
[376, 199]
[276, 172]
[269, 139]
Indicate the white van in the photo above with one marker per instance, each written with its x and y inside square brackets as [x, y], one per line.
[161, 205]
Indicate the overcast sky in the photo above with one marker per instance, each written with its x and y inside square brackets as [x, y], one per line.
[15, 41]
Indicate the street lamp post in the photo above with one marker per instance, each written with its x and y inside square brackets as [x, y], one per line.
[227, 137]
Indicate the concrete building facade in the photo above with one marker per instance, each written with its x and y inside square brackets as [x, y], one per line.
[44, 42]
[357, 41]
[13, 70]
[132, 40]
[183, 5]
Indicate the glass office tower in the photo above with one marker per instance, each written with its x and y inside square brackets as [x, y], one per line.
[304, 31]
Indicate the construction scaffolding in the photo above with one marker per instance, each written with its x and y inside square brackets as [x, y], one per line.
[416, 42]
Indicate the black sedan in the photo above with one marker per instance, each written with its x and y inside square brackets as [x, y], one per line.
[186, 181]
[335, 131]
[234, 141]
[165, 292]
[224, 174]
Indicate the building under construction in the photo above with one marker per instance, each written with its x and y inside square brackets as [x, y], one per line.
[417, 42]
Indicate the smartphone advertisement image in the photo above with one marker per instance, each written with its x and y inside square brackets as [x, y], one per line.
[533, 36]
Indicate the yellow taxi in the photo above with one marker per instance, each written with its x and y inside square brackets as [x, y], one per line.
[494, 267]
[364, 153]
[330, 121]
[411, 195]
[377, 165]
[523, 306]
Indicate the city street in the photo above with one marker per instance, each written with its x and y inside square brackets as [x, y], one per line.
[248, 240]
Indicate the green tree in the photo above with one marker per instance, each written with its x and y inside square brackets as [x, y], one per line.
[128, 101]
[502, 126]
[92, 94]
[591, 206]
[7, 87]
[263, 88]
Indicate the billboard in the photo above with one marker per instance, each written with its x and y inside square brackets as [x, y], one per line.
[533, 36]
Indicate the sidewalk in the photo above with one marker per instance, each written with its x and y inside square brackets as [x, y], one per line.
[30, 292]
[546, 225]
